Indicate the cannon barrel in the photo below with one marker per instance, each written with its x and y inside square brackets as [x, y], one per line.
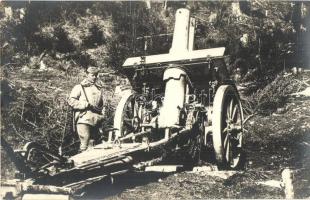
[180, 43]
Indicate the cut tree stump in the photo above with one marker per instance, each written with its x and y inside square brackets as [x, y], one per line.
[287, 178]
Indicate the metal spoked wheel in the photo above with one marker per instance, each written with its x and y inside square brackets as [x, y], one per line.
[126, 119]
[227, 128]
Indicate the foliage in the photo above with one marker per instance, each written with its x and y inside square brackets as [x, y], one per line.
[116, 30]
[259, 34]
[274, 95]
[33, 118]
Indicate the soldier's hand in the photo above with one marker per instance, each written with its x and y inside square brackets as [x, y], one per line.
[90, 107]
[93, 108]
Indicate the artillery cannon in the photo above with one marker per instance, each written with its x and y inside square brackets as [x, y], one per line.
[185, 89]
[182, 101]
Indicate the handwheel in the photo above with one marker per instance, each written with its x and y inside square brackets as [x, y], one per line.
[227, 128]
[126, 119]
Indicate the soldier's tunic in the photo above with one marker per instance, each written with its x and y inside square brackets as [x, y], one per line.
[86, 119]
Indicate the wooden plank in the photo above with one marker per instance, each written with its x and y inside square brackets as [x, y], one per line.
[46, 196]
[99, 153]
[168, 58]
[271, 183]
[163, 168]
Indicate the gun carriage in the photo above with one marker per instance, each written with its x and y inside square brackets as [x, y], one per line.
[182, 101]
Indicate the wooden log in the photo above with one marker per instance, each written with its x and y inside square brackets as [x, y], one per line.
[49, 189]
[14, 188]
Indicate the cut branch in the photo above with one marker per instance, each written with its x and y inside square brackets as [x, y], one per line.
[17, 133]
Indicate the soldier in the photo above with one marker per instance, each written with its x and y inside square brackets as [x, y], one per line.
[87, 101]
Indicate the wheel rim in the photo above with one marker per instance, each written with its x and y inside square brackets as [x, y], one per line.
[227, 127]
[232, 132]
[131, 121]
[126, 118]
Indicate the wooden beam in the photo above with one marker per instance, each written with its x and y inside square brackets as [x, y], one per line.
[167, 58]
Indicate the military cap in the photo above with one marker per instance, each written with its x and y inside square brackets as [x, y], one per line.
[93, 70]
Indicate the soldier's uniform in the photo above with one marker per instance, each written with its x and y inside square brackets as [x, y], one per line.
[87, 100]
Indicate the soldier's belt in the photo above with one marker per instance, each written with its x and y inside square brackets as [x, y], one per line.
[96, 111]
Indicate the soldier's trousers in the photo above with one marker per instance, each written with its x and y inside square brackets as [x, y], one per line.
[85, 132]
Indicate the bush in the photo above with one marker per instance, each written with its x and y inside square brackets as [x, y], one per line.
[274, 95]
